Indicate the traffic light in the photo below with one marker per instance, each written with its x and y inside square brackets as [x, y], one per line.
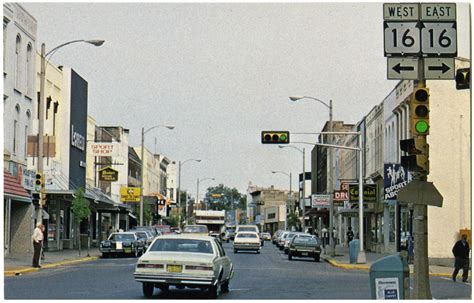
[35, 199]
[418, 153]
[463, 78]
[43, 199]
[275, 137]
[39, 181]
[419, 112]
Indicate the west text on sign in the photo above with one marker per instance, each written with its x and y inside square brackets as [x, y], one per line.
[400, 11]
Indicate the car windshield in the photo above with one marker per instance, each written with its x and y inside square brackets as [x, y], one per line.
[182, 245]
[247, 228]
[246, 235]
[305, 240]
[284, 236]
[195, 229]
[122, 237]
[142, 235]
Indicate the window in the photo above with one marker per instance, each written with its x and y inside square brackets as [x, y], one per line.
[29, 69]
[15, 122]
[26, 140]
[17, 61]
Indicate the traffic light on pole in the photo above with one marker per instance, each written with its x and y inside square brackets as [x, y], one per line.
[39, 181]
[275, 137]
[35, 199]
[419, 112]
[418, 154]
[463, 78]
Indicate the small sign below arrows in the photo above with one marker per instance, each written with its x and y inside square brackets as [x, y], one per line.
[439, 68]
[402, 68]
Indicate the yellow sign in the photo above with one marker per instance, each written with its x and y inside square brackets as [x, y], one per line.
[130, 194]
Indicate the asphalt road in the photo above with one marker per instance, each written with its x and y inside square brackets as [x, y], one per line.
[268, 275]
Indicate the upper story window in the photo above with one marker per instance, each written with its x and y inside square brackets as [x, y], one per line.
[29, 70]
[18, 61]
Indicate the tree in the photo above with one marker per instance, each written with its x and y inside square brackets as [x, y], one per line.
[293, 220]
[80, 209]
[227, 195]
[173, 220]
[147, 214]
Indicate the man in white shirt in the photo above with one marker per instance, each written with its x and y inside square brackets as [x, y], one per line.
[37, 238]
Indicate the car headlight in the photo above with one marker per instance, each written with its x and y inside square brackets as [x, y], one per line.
[105, 244]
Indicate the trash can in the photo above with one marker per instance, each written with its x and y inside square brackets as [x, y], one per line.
[390, 278]
[354, 250]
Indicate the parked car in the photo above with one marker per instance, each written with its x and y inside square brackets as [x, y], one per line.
[281, 240]
[289, 238]
[146, 236]
[248, 228]
[247, 241]
[150, 229]
[276, 235]
[185, 260]
[196, 229]
[305, 246]
[266, 236]
[122, 243]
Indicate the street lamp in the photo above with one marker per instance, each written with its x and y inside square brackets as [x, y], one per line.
[197, 191]
[143, 165]
[289, 196]
[179, 189]
[331, 181]
[40, 166]
[302, 201]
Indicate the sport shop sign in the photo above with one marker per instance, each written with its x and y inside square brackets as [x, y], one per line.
[103, 149]
[394, 178]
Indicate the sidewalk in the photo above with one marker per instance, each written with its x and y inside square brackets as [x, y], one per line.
[341, 260]
[16, 264]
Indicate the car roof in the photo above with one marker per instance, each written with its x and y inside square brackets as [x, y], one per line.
[186, 236]
[123, 233]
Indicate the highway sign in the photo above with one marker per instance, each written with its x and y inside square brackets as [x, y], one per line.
[439, 39]
[438, 11]
[439, 68]
[401, 38]
[402, 68]
[400, 11]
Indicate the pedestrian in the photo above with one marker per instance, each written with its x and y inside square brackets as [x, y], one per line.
[37, 239]
[461, 255]
[334, 235]
[350, 235]
[43, 230]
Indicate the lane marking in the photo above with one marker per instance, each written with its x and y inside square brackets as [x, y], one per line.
[239, 289]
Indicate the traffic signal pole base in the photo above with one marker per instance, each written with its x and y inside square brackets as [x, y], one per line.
[361, 258]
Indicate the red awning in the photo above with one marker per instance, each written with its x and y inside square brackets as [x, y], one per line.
[12, 187]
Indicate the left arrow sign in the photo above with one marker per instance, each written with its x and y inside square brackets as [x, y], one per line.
[398, 68]
[402, 68]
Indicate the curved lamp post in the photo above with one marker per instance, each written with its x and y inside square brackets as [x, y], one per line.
[331, 160]
[179, 189]
[197, 191]
[289, 196]
[41, 104]
[143, 165]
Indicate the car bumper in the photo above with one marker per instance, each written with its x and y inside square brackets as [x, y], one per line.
[115, 250]
[246, 246]
[304, 253]
[174, 279]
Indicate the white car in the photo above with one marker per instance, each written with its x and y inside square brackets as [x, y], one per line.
[249, 228]
[247, 241]
[184, 261]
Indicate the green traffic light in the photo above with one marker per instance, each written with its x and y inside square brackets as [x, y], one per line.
[283, 138]
[421, 127]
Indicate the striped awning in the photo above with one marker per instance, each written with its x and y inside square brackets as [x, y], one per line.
[13, 189]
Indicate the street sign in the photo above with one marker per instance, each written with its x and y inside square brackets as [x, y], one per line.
[402, 68]
[438, 11]
[439, 68]
[400, 11]
[439, 39]
[401, 38]
[129, 194]
[420, 192]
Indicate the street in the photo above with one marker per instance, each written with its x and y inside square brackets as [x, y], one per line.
[268, 275]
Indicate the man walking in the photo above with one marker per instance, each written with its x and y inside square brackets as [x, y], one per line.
[461, 254]
[37, 238]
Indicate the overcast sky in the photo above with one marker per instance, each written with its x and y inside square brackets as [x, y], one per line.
[222, 73]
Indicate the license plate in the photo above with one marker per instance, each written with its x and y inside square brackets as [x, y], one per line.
[174, 268]
[304, 254]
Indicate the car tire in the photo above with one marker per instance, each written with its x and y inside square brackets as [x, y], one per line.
[317, 258]
[228, 240]
[258, 251]
[105, 255]
[235, 251]
[280, 247]
[261, 243]
[290, 257]
[212, 292]
[285, 251]
[148, 289]
[136, 253]
[225, 287]
[164, 287]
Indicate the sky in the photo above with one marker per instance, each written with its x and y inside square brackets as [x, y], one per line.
[222, 72]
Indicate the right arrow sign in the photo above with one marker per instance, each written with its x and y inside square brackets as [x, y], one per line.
[439, 68]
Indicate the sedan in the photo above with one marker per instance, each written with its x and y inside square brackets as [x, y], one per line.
[266, 236]
[305, 246]
[146, 236]
[122, 243]
[184, 261]
[247, 241]
[291, 235]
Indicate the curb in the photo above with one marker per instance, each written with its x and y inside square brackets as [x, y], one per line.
[16, 272]
[365, 267]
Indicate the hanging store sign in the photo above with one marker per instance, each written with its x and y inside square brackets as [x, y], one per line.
[108, 174]
[370, 193]
[394, 178]
[320, 201]
[129, 194]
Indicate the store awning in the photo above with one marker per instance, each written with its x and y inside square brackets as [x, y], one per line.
[353, 212]
[12, 189]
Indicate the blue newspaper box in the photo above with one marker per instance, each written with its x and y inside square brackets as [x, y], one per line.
[354, 246]
[390, 278]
